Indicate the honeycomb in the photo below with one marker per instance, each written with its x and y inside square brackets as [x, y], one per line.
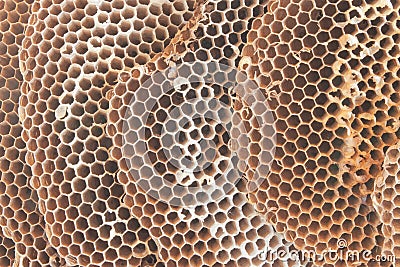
[384, 197]
[332, 71]
[7, 251]
[22, 233]
[71, 56]
[190, 234]
[194, 212]
[198, 133]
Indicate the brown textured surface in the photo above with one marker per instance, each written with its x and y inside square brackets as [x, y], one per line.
[332, 72]
[69, 191]
[386, 201]
[20, 220]
[227, 232]
[72, 54]
[7, 250]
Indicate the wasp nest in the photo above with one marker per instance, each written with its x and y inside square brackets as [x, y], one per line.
[23, 237]
[151, 112]
[198, 133]
[71, 57]
[386, 201]
[332, 72]
[7, 250]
